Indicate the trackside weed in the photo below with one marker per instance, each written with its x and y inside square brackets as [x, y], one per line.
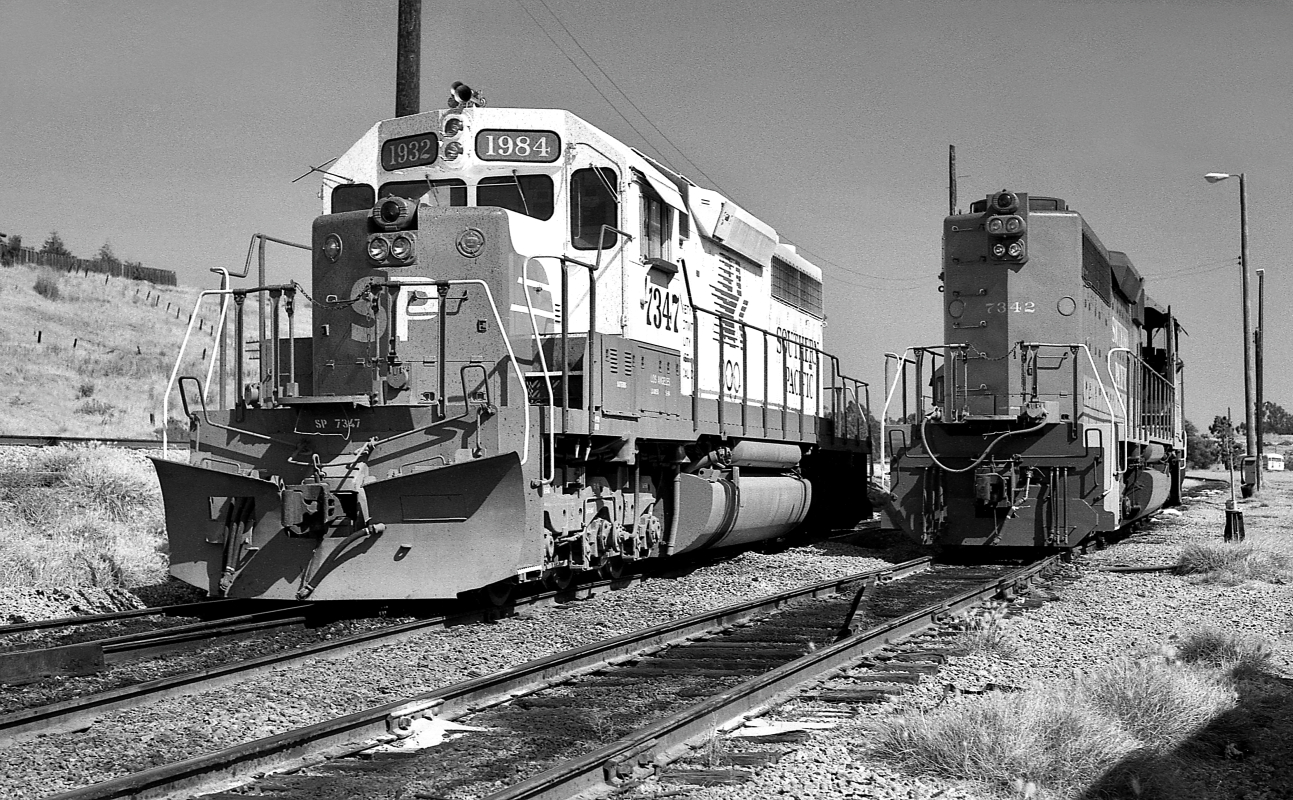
[1231, 564]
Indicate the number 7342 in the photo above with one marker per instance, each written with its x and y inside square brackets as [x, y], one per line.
[1017, 307]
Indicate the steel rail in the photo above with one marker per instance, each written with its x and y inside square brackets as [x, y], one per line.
[55, 441]
[84, 658]
[81, 712]
[361, 730]
[654, 746]
[178, 610]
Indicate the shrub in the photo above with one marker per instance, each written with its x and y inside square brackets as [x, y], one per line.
[1241, 656]
[47, 286]
[85, 390]
[97, 408]
[1161, 704]
[1234, 563]
[1062, 739]
[1049, 737]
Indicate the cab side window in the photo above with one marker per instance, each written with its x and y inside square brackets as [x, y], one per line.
[594, 202]
[657, 225]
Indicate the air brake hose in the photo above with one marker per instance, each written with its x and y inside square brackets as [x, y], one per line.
[981, 457]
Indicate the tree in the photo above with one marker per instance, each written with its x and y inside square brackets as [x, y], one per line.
[1276, 420]
[106, 255]
[9, 247]
[54, 246]
[1224, 434]
[1201, 451]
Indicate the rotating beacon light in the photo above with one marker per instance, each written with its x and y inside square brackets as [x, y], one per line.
[1007, 227]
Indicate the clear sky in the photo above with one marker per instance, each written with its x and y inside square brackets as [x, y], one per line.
[174, 130]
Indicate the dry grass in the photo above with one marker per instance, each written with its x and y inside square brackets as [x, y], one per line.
[79, 517]
[1241, 656]
[1058, 741]
[112, 341]
[985, 632]
[1235, 563]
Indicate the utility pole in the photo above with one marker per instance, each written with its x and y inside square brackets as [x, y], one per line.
[951, 179]
[408, 59]
[1250, 426]
[1258, 335]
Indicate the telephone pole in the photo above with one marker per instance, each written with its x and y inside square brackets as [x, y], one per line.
[408, 59]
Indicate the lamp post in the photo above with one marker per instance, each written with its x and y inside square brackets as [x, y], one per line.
[1250, 418]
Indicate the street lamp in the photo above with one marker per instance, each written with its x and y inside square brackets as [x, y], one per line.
[1250, 418]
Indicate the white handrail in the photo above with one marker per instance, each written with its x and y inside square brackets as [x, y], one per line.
[219, 332]
[551, 466]
[170, 383]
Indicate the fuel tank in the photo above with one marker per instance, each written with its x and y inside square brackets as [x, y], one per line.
[743, 509]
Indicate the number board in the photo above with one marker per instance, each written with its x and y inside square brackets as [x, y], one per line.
[503, 145]
[410, 151]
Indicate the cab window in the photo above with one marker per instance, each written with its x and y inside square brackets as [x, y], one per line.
[352, 197]
[530, 195]
[657, 219]
[593, 203]
[451, 192]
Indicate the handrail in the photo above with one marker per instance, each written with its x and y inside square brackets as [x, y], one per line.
[179, 359]
[550, 465]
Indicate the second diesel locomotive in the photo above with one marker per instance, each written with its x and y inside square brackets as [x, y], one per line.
[1055, 410]
[534, 353]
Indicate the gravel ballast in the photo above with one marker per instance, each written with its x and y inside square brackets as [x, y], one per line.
[176, 728]
[1101, 616]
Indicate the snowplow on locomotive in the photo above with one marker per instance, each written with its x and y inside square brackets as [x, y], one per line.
[534, 353]
[1054, 412]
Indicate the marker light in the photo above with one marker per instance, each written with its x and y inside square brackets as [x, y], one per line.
[998, 250]
[378, 248]
[332, 247]
[452, 151]
[402, 248]
[453, 126]
[1015, 250]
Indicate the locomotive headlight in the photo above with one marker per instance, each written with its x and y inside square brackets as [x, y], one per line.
[402, 248]
[1015, 250]
[998, 250]
[996, 225]
[1014, 224]
[332, 247]
[452, 151]
[453, 126]
[378, 248]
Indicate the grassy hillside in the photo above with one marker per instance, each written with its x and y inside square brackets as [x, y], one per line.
[90, 355]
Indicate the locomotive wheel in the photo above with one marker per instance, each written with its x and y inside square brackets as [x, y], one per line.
[558, 579]
[612, 569]
[498, 593]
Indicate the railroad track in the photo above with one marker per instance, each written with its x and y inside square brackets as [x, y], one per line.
[81, 712]
[740, 659]
[56, 441]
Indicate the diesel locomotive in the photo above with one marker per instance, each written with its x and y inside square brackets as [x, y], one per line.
[533, 353]
[1051, 413]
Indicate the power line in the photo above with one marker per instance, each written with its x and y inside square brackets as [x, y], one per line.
[580, 70]
[625, 95]
[1197, 269]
